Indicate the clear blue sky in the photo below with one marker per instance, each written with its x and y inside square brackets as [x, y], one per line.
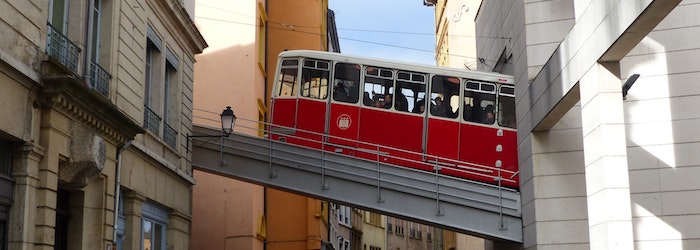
[401, 30]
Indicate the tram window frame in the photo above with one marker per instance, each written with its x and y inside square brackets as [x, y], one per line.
[346, 88]
[412, 87]
[506, 114]
[283, 85]
[381, 82]
[315, 71]
[485, 94]
[449, 97]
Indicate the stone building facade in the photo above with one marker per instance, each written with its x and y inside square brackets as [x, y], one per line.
[95, 106]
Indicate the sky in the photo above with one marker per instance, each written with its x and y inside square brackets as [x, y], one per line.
[402, 30]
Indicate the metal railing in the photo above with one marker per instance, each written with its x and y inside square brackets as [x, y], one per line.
[381, 154]
[169, 135]
[98, 79]
[62, 49]
[151, 120]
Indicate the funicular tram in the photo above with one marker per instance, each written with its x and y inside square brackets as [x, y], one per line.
[415, 116]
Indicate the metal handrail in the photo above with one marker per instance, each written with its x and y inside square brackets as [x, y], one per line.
[381, 151]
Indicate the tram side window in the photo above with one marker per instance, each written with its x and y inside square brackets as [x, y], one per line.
[479, 102]
[288, 78]
[506, 107]
[346, 80]
[314, 77]
[410, 92]
[379, 82]
[444, 95]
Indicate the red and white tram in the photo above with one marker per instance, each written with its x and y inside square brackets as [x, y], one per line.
[422, 116]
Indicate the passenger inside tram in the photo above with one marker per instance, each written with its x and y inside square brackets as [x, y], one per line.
[489, 116]
[366, 100]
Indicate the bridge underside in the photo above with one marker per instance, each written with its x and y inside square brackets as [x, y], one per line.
[467, 207]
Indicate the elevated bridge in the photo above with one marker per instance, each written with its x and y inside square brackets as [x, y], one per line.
[473, 208]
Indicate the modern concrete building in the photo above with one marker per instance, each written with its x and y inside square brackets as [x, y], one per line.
[237, 70]
[603, 166]
[95, 107]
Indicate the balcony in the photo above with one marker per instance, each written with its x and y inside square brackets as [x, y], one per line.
[151, 120]
[63, 50]
[68, 54]
[169, 135]
[98, 79]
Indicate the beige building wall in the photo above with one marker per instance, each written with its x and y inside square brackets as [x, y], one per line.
[374, 230]
[456, 33]
[228, 214]
[78, 165]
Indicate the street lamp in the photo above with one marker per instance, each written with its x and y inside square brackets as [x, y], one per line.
[228, 120]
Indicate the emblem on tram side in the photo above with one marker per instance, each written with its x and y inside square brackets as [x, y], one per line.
[343, 122]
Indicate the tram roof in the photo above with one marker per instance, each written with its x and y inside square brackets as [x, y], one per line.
[483, 75]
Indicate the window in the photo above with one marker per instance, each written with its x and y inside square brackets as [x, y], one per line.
[410, 92]
[170, 99]
[479, 101]
[375, 219]
[288, 78]
[314, 75]
[398, 230]
[343, 244]
[153, 90]
[346, 78]
[67, 25]
[96, 77]
[344, 215]
[506, 107]
[389, 226]
[380, 83]
[161, 98]
[153, 226]
[444, 95]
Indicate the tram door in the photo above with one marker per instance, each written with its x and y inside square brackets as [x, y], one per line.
[312, 103]
[343, 122]
[479, 134]
[284, 103]
[443, 128]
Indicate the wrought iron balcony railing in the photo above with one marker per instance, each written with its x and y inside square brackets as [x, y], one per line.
[169, 135]
[62, 49]
[98, 79]
[151, 120]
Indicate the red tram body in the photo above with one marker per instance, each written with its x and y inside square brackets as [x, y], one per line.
[411, 115]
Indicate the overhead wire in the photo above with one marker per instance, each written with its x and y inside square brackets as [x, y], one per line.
[293, 28]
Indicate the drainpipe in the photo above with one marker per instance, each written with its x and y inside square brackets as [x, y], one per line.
[117, 189]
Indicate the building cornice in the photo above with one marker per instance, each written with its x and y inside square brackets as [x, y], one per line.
[176, 14]
[69, 94]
